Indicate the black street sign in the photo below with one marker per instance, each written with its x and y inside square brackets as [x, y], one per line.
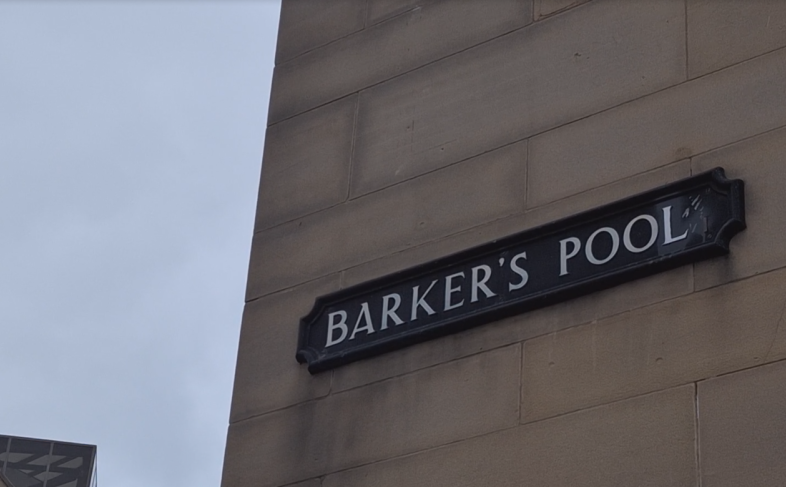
[676, 224]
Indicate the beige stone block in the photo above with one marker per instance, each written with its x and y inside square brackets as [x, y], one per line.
[306, 163]
[725, 32]
[685, 120]
[534, 79]
[433, 206]
[305, 24]
[678, 341]
[644, 442]
[503, 227]
[429, 408]
[267, 376]
[611, 192]
[742, 428]
[307, 483]
[761, 163]
[417, 37]
[379, 10]
[544, 8]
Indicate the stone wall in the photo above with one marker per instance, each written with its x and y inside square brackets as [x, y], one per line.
[401, 131]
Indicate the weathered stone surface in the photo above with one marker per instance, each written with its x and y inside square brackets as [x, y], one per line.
[379, 10]
[267, 376]
[685, 120]
[608, 193]
[305, 24]
[544, 8]
[761, 163]
[518, 222]
[600, 391]
[678, 341]
[644, 442]
[306, 163]
[426, 409]
[307, 483]
[410, 40]
[536, 78]
[722, 33]
[742, 428]
[426, 208]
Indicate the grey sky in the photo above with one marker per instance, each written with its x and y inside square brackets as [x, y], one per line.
[130, 142]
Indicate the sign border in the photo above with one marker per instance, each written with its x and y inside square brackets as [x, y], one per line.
[718, 246]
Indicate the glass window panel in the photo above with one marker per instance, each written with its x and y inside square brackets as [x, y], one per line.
[74, 463]
[26, 462]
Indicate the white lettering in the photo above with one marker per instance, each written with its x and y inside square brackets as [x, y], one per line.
[449, 289]
[518, 270]
[332, 326]
[564, 255]
[653, 234]
[481, 284]
[667, 235]
[615, 245]
[363, 316]
[388, 312]
[421, 302]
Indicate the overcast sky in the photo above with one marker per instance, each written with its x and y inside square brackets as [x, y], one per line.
[131, 135]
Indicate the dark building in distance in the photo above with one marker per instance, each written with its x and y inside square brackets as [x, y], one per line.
[28, 462]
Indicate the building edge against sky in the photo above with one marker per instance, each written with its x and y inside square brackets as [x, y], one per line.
[401, 132]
